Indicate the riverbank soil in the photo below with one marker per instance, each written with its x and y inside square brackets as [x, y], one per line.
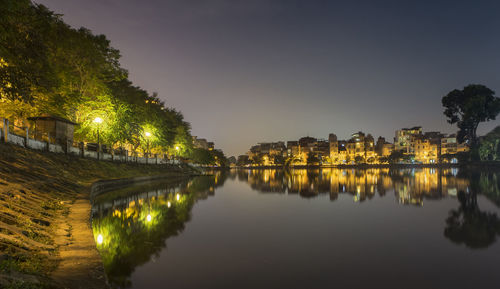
[45, 236]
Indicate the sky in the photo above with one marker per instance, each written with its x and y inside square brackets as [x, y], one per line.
[250, 71]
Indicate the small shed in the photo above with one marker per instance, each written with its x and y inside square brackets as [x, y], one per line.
[60, 130]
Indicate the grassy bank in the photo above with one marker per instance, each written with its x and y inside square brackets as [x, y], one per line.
[38, 196]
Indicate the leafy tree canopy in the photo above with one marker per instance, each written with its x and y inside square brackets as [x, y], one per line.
[47, 67]
[468, 107]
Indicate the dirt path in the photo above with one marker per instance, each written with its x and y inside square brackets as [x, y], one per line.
[40, 241]
[80, 265]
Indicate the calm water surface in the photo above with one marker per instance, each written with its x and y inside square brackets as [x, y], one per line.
[330, 228]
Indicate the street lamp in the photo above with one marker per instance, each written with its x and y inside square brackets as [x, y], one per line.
[98, 120]
[100, 239]
[177, 151]
[147, 134]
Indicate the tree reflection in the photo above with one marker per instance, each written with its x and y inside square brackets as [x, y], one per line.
[131, 230]
[466, 225]
[469, 225]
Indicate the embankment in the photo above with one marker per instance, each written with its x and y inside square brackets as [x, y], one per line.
[45, 235]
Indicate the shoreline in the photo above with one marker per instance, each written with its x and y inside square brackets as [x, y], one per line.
[375, 166]
[81, 264]
[47, 240]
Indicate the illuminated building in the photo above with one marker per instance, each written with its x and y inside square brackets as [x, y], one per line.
[425, 151]
[361, 147]
[322, 150]
[383, 148]
[265, 153]
[369, 144]
[334, 148]
[450, 145]
[200, 143]
[404, 137]
[425, 148]
[292, 148]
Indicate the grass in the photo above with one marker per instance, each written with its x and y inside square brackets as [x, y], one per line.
[37, 190]
[28, 285]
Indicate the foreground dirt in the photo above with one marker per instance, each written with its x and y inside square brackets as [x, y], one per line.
[45, 235]
[80, 265]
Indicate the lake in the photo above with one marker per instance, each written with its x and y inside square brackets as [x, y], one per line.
[322, 228]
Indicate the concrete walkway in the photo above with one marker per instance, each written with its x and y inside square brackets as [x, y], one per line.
[81, 265]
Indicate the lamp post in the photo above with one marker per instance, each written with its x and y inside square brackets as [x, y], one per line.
[98, 120]
[177, 151]
[147, 134]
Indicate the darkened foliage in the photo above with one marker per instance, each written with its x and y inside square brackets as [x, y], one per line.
[47, 67]
[489, 148]
[468, 107]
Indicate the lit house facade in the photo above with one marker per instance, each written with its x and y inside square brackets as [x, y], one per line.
[404, 138]
[425, 151]
[416, 146]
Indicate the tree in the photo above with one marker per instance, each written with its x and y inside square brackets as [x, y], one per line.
[408, 158]
[468, 107]
[231, 160]
[258, 159]
[469, 225]
[279, 160]
[47, 67]
[359, 160]
[202, 156]
[312, 159]
[383, 160]
[291, 160]
[489, 149]
[220, 158]
[395, 157]
[24, 63]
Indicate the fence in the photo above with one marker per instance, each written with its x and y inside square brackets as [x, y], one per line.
[22, 136]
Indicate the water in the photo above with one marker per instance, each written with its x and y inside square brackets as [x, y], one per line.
[375, 228]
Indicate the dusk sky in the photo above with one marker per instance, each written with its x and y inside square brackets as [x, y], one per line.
[244, 72]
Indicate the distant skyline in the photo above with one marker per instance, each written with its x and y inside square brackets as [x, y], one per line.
[244, 72]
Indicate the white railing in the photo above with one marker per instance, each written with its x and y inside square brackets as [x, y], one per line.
[20, 136]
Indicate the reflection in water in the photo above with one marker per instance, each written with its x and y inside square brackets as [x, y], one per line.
[411, 186]
[467, 224]
[131, 230]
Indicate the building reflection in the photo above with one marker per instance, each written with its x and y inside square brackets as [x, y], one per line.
[130, 229]
[411, 186]
[468, 224]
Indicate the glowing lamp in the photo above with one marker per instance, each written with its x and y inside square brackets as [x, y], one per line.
[100, 239]
[148, 218]
[98, 120]
[148, 134]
